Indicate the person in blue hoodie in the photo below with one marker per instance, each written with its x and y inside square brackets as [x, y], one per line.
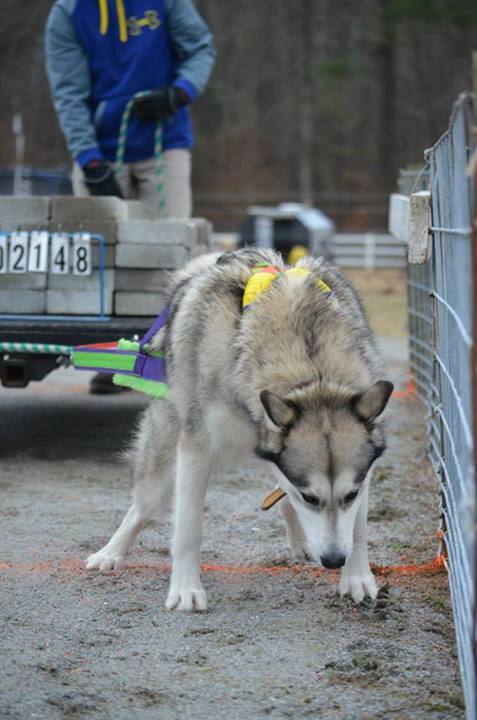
[101, 54]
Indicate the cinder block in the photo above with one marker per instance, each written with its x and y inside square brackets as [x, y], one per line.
[204, 229]
[85, 283]
[65, 208]
[139, 210]
[150, 256]
[198, 250]
[139, 303]
[79, 227]
[77, 302]
[106, 228]
[142, 280]
[15, 302]
[158, 232]
[109, 256]
[23, 213]
[23, 281]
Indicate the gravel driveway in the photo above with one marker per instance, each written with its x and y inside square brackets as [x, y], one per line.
[276, 643]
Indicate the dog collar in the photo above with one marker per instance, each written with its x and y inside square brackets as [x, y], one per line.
[272, 498]
[263, 275]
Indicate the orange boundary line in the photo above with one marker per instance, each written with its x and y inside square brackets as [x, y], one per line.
[77, 566]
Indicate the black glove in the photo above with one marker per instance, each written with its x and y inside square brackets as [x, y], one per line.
[160, 104]
[100, 179]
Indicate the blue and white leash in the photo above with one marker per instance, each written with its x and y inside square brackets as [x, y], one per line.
[122, 140]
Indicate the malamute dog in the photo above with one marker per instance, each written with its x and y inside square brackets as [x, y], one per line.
[296, 379]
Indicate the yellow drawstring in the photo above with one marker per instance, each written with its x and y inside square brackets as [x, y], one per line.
[123, 28]
[103, 14]
[104, 19]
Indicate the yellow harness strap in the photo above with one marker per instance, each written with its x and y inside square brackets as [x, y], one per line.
[272, 498]
[262, 277]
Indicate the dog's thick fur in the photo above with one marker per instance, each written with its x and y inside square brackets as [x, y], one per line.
[296, 380]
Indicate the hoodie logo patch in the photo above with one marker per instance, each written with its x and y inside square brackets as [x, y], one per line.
[150, 20]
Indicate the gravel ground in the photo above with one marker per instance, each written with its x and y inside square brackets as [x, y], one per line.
[277, 642]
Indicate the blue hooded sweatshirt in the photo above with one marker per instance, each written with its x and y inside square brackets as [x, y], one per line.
[99, 53]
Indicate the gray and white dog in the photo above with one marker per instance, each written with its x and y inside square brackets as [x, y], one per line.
[295, 380]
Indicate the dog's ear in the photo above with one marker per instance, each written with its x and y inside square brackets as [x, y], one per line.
[372, 402]
[282, 413]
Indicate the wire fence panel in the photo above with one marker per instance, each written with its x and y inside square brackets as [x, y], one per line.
[440, 294]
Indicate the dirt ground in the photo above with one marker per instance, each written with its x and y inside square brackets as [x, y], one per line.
[277, 641]
[384, 295]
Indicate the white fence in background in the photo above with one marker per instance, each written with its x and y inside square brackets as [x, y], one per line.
[349, 250]
[368, 251]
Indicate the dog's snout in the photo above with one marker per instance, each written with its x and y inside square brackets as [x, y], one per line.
[333, 561]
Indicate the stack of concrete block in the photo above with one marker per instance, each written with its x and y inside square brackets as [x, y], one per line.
[75, 294]
[23, 293]
[146, 252]
[140, 252]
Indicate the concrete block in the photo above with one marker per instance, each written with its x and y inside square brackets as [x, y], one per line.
[198, 250]
[139, 303]
[106, 228]
[77, 302]
[23, 281]
[158, 232]
[150, 256]
[139, 210]
[16, 302]
[109, 256]
[204, 228]
[65, 208]
[141, 280]
[79, 227]
[23, 213]
[85, 283]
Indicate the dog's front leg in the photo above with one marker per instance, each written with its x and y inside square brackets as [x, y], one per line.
[193, 471]
[356, 576]
[295, 535]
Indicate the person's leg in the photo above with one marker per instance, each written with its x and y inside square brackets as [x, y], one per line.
[176, 175]
[79, 185]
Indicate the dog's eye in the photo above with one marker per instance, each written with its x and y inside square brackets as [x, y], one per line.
[350, 496]
[310, 499]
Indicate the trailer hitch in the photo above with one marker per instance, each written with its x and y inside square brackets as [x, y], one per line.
[15, 372]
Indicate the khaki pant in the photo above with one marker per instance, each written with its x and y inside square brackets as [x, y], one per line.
[138, 181]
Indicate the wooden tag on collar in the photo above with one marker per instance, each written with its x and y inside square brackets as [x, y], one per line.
[273, 498]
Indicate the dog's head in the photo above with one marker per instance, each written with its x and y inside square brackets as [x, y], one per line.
[324, 442]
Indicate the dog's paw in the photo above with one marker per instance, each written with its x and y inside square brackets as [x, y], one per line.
[358, 586]
[105, 559]
[299, 550]
[188, 599]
